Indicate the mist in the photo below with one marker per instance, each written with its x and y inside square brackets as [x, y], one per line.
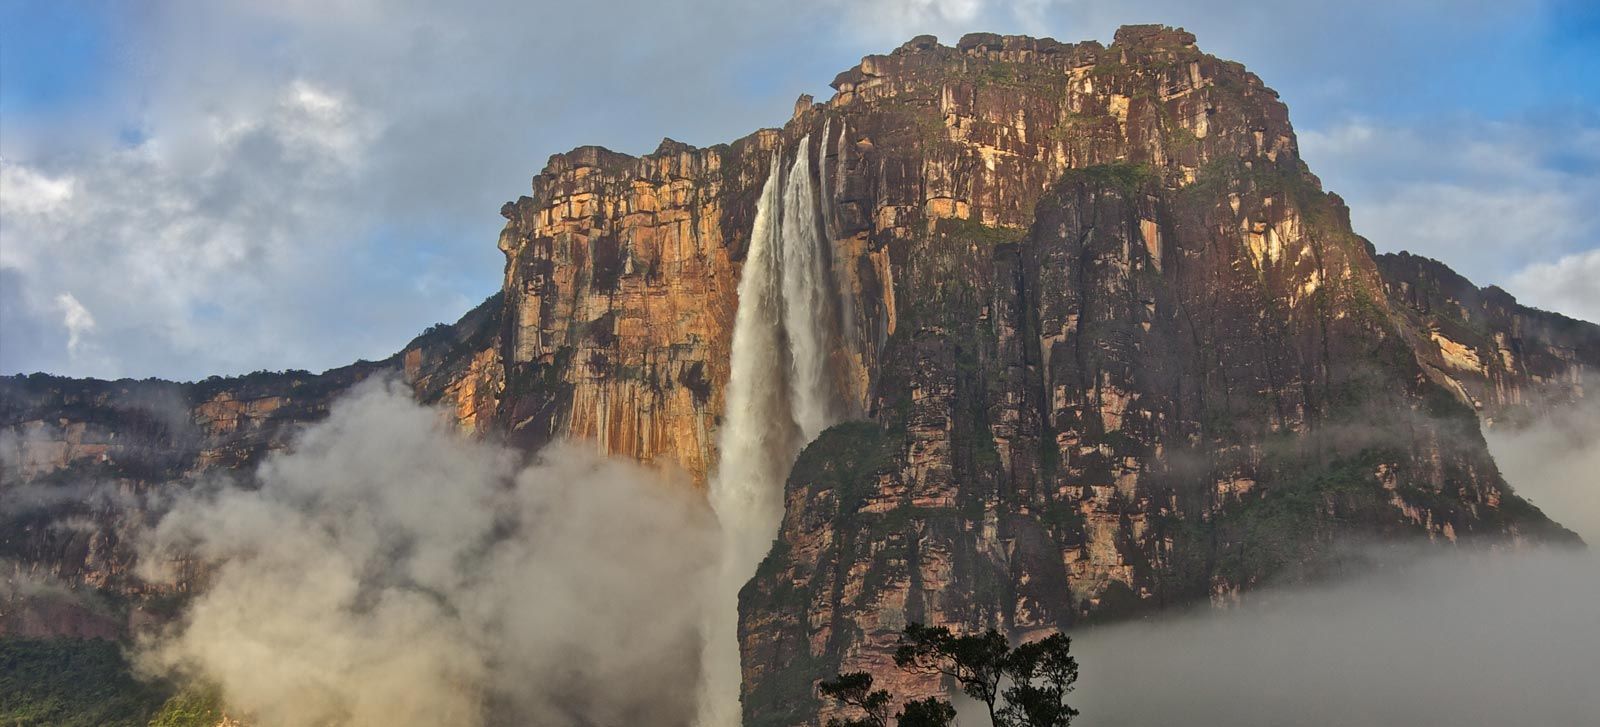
[1440, 636]
[1555, 464]
[387, 571]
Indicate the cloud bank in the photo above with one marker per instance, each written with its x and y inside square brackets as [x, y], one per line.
[1484, 639]
[388, 572]
[1435, 637]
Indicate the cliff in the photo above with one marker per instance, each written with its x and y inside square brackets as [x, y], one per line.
[1111, 348]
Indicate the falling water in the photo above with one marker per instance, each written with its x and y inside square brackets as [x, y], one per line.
[779, 396]
[757, 441]
[807, 302]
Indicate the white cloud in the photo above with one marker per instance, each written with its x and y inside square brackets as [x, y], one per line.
[1489, 199]
[25, 192]
[316, 181]
[1570, 285]
[895, 21]
[184, 244]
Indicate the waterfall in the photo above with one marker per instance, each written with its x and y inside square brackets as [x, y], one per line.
[822, 183]
[807, 302]
[757, 440]
[780, 395]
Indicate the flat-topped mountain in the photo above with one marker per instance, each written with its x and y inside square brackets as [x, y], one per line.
[1095, 343]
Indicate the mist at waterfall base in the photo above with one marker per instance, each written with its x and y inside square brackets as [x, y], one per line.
[781, 395]
[386, 570]
[1441, 636]
[389, 572]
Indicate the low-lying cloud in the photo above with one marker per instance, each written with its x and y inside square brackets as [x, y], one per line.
[1481, 639]
[389, 572]
[1555, 464]
[1439, 637]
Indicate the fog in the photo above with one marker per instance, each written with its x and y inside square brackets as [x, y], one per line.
[1452, 637]
[390, 572]
[1555, 463]
[387, 571]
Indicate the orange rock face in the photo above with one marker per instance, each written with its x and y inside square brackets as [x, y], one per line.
[621, 287]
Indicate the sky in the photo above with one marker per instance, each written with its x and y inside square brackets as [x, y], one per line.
[197, 188]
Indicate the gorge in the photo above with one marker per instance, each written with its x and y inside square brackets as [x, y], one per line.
[1013, 333]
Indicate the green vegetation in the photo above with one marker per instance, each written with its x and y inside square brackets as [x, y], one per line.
[971, 230]
[199, 707]
[72, 683]
[845, 458]
[1288, 525]
[1126, 176]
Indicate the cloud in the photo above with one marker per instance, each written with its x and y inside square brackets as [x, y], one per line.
[1515, 203]
[1461, 639]
[387, 571]
[183, 247]
[77, 321]
[298, 184]
[1555, 464]
[1570, 285]
[1429, 637]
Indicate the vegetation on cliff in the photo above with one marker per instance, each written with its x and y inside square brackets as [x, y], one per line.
[1025, 686]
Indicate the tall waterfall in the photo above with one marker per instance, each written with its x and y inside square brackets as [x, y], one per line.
[780, 396]
[808, 313]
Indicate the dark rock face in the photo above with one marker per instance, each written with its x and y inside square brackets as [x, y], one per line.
[1114, 347]
[1137, 358]
[1509, 362]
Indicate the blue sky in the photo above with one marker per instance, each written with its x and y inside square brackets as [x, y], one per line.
[197, 188]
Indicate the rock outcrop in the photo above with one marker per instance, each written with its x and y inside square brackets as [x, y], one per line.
[1510, 363]
[1112, 346]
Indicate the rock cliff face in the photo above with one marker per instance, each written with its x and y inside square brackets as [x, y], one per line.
[1137, 357]
[1509, 362]
[1112, 347]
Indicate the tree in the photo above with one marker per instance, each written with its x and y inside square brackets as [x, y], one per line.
[976, 661]
[930, 712]
[855, 690]
[1041, 675]
[1022, 687]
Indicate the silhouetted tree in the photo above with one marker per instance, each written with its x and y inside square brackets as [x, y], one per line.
[1022, 687]
[1041, 674]
[976, 661]
[930, 712]
[855, 689]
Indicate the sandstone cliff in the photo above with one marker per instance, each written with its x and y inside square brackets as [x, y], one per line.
[1111, 347]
